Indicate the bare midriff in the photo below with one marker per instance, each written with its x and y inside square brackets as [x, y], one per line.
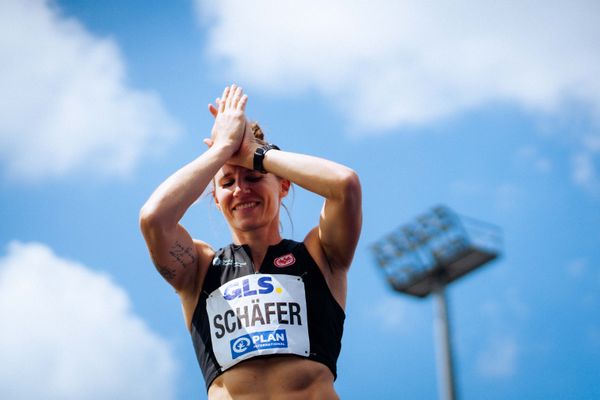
[285, 377]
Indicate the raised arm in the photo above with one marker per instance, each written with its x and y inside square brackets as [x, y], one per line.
[176, 256]
[341, 216]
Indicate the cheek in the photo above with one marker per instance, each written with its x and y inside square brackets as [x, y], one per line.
[221, 196]
[274, 199]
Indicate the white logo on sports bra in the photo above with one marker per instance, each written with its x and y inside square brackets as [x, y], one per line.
[228, 263]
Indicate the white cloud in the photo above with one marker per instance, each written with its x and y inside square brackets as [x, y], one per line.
[390, 63]
[69, 333]
[499, 358]
[386, 64]
[65, 105]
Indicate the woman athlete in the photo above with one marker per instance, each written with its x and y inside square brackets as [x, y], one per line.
[265, 313]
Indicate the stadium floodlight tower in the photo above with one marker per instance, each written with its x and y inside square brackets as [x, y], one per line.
[428, 253]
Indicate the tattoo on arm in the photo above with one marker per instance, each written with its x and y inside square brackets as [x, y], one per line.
[168, 274]
[183, 255]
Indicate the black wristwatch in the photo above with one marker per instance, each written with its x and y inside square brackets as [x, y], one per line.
[259, 156]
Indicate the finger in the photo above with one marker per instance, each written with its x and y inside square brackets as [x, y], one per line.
[221, 104]
[213, 110]
[230, 93]
[237, 96]
[217, 103]
[242, 103]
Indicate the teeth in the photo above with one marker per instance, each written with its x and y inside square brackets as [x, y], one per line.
[245, 205]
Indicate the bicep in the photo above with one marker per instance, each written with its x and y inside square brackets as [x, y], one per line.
[174, 255]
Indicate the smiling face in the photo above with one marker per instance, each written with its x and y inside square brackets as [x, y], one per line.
[248, 199]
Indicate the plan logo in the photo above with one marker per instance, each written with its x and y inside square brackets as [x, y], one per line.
[264, 340]
[285, 261]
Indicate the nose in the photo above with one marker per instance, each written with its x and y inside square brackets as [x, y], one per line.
[241, 188]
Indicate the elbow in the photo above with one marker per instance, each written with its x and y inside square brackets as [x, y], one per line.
[150, 219]
[146, 219]
[349, 186]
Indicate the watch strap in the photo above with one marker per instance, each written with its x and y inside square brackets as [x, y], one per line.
[259, 156]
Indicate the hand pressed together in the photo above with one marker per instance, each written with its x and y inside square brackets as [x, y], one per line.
[230, 120]
[228, 111]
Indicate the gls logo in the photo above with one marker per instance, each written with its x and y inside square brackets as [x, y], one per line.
[234, 290]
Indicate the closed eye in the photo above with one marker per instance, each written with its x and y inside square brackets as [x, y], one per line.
[254, 178]
[227, 183]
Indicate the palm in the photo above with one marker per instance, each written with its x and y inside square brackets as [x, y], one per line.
[230, 119]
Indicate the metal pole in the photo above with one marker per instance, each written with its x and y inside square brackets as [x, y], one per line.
[444, 350]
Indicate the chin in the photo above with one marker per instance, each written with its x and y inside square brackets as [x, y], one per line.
[245, 226]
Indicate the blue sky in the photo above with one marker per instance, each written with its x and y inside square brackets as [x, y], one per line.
[492, 109]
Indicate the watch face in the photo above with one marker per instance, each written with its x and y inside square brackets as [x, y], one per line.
[259, 154]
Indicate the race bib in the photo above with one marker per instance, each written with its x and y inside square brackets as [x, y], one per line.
[258, 314]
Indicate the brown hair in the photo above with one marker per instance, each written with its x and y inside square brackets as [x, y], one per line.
[256, 131]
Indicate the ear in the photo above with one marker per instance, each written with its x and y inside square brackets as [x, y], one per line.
[285, 188]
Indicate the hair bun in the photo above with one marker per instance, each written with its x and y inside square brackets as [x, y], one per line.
[257, 132]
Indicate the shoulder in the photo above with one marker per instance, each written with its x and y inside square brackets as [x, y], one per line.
[205, 254]
[204, 249]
